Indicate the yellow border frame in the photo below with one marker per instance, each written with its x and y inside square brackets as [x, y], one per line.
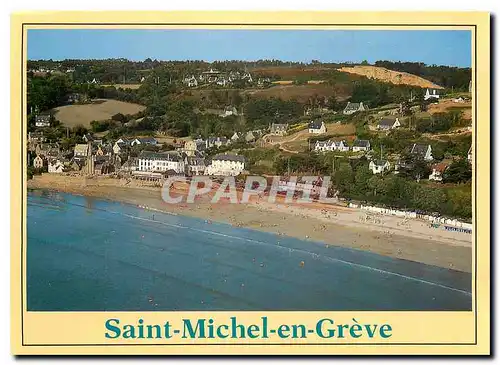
[413, 331]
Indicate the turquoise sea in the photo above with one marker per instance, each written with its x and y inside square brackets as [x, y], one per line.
[85, 254]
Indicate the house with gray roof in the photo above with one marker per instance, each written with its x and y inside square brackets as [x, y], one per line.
[361, 145]
[279, 129]
[352, 108]
[317, 127]
[422, 150]
[388, 123]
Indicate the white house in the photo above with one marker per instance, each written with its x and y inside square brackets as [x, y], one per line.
[379, 166]
[228, 111]
[144, 141]
[431, 94]
[422, 150]
[437, 171]
[324, 146]
[42, 120]
[226, 165]
[361, 145]
[235, 137]
[317, 127]
[55, 166]
[160, 161]
[341, 146]
[352, 108]
[388, 123]
[191, 81]
[38, 162]
[469, 155]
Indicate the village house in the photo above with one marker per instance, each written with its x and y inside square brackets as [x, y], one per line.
[379, 166]
[191, 81]
[81, 151]
[48, 149]
[103, 165]
[36, 137]
[195, 165]
[431, 94]
[422, 150]
[130, 165]
[235, 137]
[247, 77]
[39, 162]
[122, 145]
[76, 164]
[217, 142]
[388, 123]
[469, 155]
[361, 145]
[352, 108]
[42, 120]
[341, 146]
[226, 165]
[55, 166]
[324, 146]
[317, 127]
[87, 137]
[279, 129]
[250, 137]
[143, 141]
[193, 146]
[437, 171]
[228, 111]
[161, 161]
[75, 98]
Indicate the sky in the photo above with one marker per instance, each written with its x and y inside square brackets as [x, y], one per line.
[441, 47]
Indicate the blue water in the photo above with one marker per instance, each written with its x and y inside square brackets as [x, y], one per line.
[85, 254]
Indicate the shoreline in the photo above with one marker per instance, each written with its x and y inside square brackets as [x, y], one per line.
[389, 236]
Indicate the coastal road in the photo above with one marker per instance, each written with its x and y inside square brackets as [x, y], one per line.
[92, 255]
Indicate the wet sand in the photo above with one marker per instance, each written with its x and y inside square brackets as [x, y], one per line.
[395, 237]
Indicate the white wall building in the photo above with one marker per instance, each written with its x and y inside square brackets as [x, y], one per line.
[379, 166]
[226, 165]
[161, 162]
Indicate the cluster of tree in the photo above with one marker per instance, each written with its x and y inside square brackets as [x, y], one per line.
[396, 191]
[262, 112]
[439, 122]
[46, 93]
[446, 76]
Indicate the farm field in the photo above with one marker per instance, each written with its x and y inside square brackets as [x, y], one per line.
[99, 109]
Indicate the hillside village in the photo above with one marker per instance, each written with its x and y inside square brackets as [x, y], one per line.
[389, 144]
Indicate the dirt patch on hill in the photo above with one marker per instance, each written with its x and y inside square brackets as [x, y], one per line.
[101, 109]
[393, 77]
[446, 105]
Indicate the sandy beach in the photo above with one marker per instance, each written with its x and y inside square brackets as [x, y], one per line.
[336, 225]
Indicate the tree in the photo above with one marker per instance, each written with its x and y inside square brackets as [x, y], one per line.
[459, 171]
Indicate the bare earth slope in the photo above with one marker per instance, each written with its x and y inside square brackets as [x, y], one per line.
[101, 109]
[394, 77]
